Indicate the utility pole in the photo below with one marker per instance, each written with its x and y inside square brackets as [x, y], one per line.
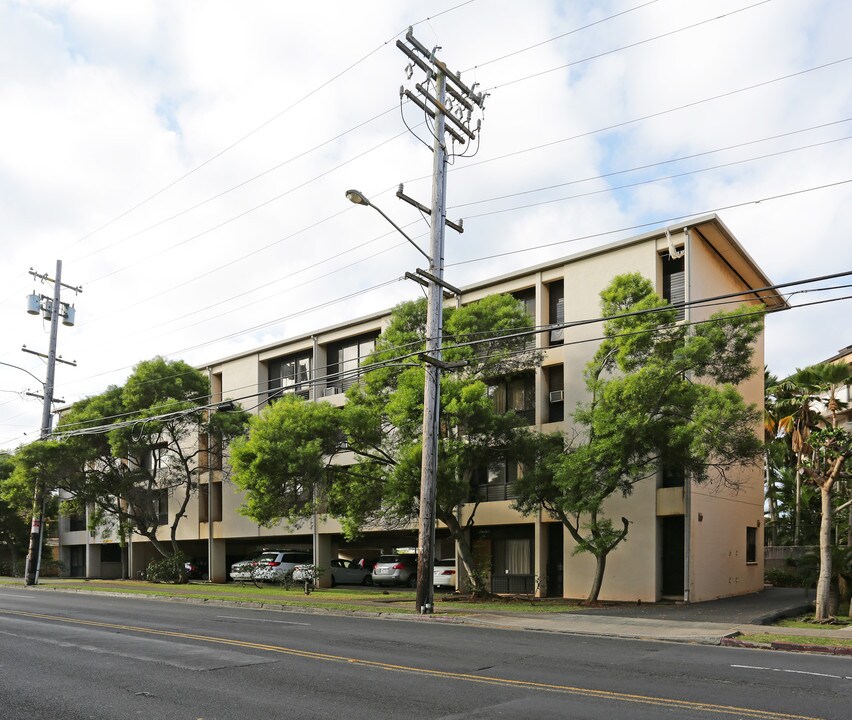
[432, 100]
[52, 309]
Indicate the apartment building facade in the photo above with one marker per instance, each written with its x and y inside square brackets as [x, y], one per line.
[687, 541]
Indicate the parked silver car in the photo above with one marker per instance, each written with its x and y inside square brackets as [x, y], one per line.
[342, 572]
[397, 569]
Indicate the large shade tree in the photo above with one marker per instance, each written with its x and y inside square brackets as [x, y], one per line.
[123, 454]
[361, 463]
[661, 394]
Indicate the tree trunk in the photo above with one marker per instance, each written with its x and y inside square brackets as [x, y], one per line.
[600, 568]
[457, 532]
[823, 590]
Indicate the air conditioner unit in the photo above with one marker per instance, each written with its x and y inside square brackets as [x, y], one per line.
[329, 391]
[557, 396]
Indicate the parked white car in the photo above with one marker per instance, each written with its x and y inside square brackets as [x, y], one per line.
[270, 565]
[444, 574]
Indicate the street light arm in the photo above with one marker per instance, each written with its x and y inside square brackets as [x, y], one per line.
[40, 382]
[358, 198]
[401, 232]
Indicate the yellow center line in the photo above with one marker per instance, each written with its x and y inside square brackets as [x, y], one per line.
[466, 677]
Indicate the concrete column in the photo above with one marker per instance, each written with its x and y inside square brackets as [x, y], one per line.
[93, 560]
[324, 557]
[218, 570]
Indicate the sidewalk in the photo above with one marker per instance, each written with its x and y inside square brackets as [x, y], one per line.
[715, 622]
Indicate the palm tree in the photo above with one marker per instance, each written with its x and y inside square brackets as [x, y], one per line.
[822, 453]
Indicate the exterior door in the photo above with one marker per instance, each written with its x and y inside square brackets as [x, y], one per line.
[672, 560]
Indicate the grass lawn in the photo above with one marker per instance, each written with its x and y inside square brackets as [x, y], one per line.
[339, 598]
[807, 622]
[797, 640]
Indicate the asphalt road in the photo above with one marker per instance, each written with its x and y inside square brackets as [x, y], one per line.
[77, 656]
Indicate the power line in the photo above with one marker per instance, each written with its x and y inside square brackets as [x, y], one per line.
[500, 336]
[257, 129]
[663, 221]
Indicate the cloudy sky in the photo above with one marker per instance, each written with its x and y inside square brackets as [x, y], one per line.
[187, 161]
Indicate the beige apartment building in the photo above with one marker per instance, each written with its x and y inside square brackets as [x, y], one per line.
[687, 541]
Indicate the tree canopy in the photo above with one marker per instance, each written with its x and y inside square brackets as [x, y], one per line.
[121, 454]
[661, 394]
[298, 451]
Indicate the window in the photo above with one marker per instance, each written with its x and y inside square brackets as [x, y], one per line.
[673, 476]
[516, 394]
[674, 283]
[527, 299]
[496, 481]
[161, 506]
[344, 359]
[751, 545]
[556, 393]
[76, 523]
[556, 306]
[110, 553]
[291, 373]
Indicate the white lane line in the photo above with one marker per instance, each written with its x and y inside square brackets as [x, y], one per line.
[248, 619]
[795, 672]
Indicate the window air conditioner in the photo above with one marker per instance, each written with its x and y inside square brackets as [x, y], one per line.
[329, 391]
[557, 396]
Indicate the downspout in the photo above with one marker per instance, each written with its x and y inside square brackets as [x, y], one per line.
[687, 483]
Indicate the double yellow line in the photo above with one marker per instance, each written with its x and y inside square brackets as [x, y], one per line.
[465, 677]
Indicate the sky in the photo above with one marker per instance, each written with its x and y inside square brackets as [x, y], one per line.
[187, 162]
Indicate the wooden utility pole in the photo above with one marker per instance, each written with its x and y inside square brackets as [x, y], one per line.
[432, 100]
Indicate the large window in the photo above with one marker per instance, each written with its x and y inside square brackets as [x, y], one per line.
[291, 373]
[344, 359]
[516, 394]
[674, 283]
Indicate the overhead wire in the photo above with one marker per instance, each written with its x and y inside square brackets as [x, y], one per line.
[724, 299]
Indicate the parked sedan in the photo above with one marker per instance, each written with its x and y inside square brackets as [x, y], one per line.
[342, 572]
[444, 574]
[399, 569]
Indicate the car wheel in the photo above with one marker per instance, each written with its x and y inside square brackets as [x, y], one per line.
[412, 581]
[333, 581]
[368, 580]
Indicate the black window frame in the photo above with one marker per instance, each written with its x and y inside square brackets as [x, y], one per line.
[342, 378]
[283, 379]
[674, 282]
[751, 545]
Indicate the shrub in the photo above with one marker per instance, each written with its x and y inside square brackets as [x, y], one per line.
[169, 569]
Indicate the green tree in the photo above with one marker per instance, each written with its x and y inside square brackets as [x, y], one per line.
[661, 394]
[14, 531]
[124, 452]
[289, 463]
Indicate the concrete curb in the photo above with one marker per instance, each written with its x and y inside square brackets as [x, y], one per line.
[788, 647]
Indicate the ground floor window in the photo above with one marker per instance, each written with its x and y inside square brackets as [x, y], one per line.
[506, 553]
[751, 545]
